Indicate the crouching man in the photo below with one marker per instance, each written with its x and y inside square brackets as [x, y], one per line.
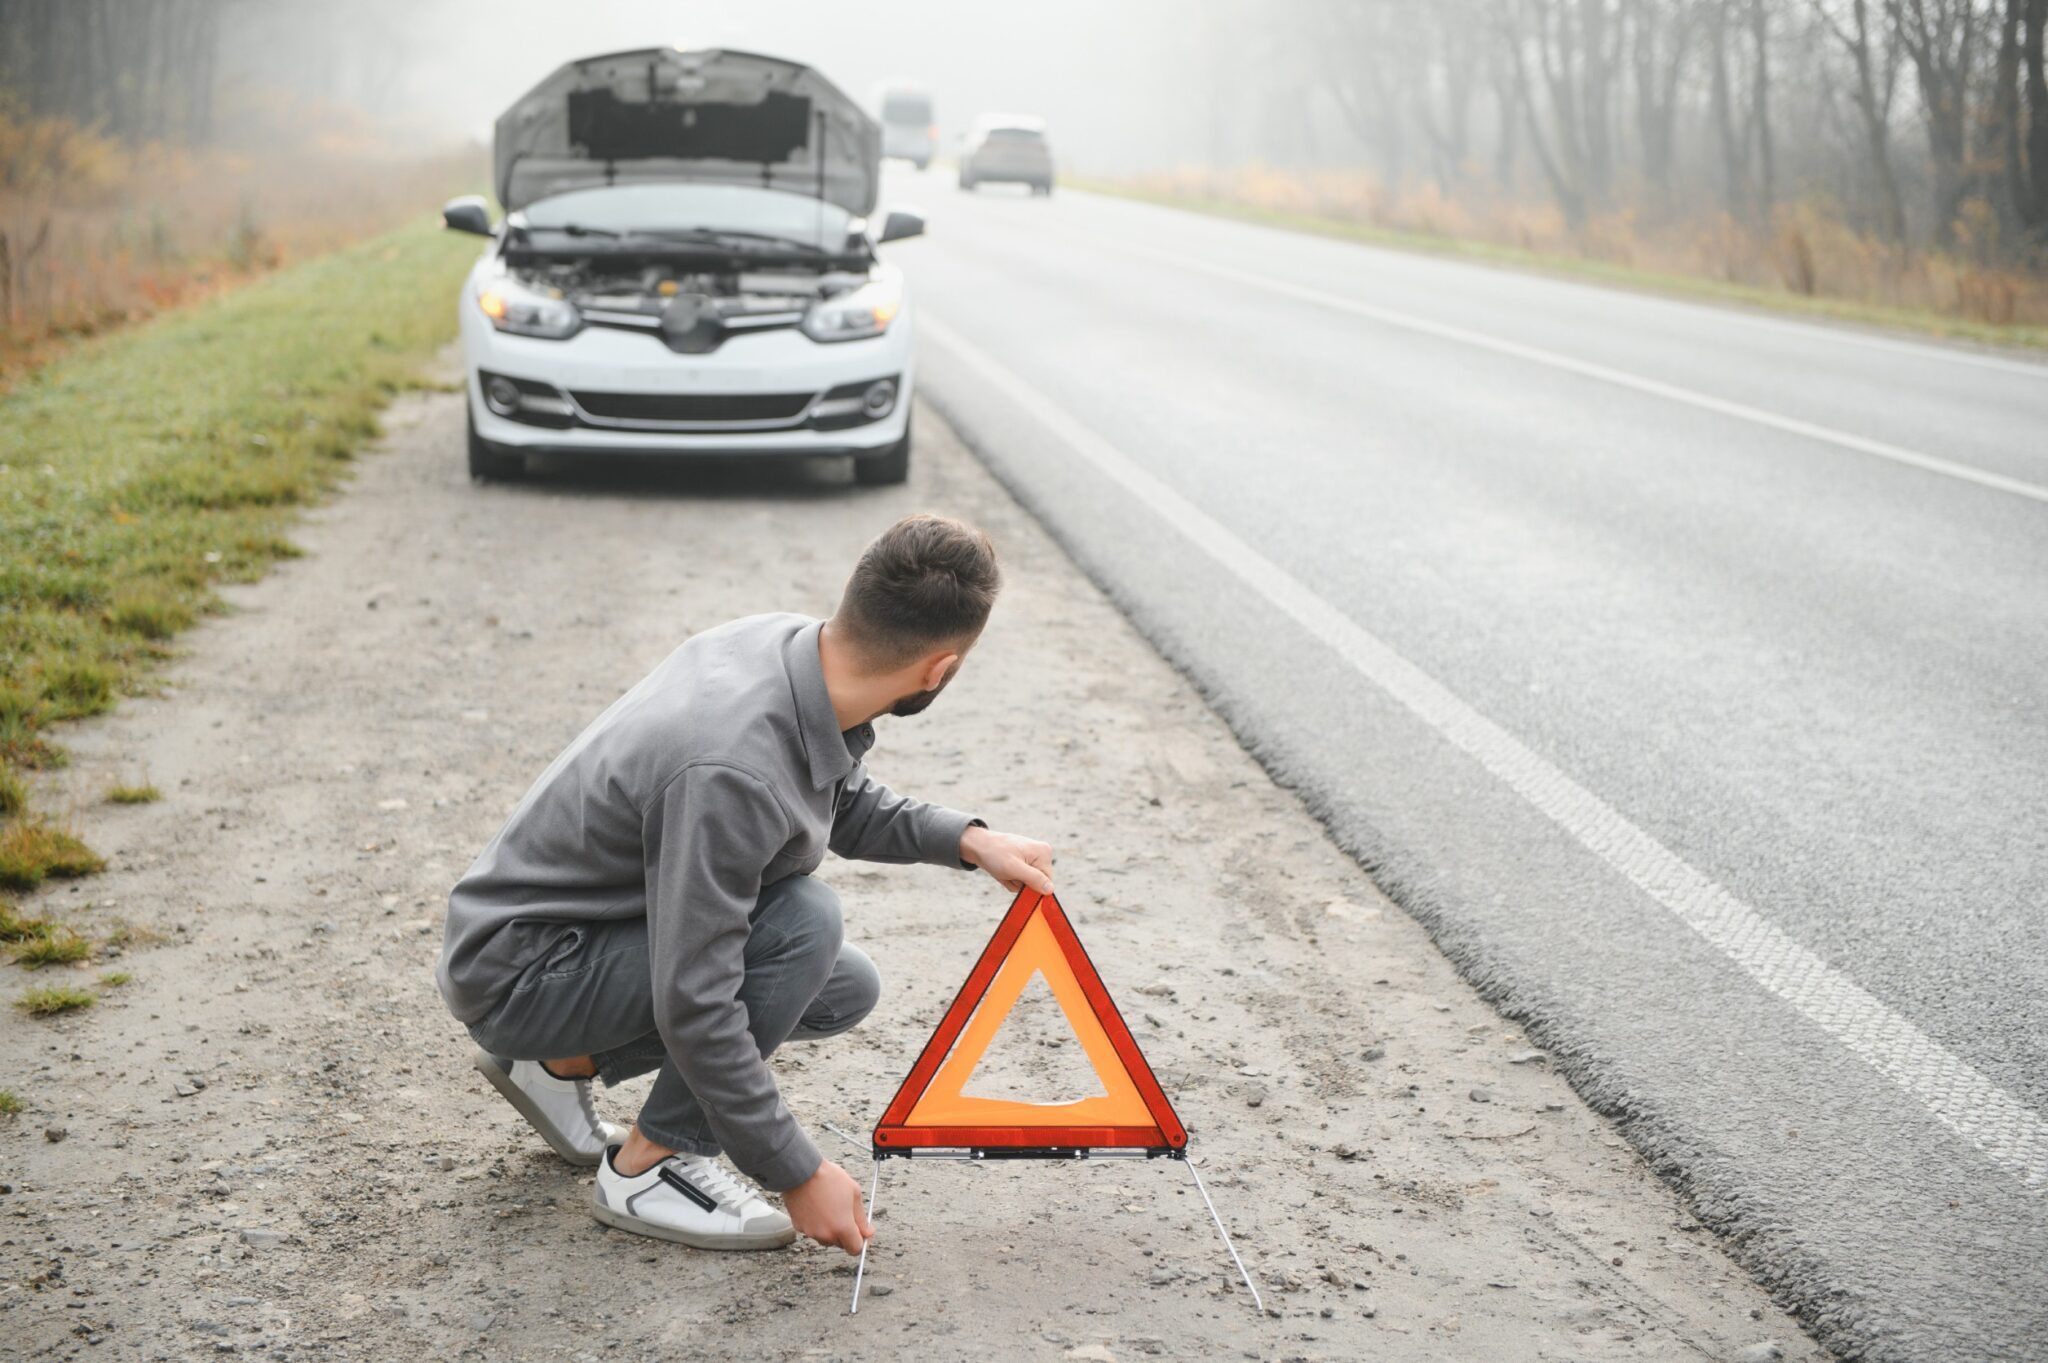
[650, 905]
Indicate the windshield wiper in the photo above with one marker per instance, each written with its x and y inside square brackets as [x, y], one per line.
[735, 235]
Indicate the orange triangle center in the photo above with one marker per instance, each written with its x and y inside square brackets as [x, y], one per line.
[1034, 939]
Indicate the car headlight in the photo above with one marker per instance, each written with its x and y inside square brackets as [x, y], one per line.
[523, 312]
[863, 312]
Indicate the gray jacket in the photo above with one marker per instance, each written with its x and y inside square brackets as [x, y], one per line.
[723, 771]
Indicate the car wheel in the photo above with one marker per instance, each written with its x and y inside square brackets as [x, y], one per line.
[967, 183]
[487, 461]
[1044, 190]
[890, 466]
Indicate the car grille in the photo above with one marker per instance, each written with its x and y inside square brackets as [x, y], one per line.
[694, 409]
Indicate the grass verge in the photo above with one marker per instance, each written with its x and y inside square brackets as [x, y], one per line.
[148, 467]
[1599, 271]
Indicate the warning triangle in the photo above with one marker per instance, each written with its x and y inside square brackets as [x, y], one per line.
[930, 1110]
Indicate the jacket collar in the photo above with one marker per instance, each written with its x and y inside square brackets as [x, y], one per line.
[831, 753]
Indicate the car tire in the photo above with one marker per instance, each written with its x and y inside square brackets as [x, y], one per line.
[1043, 190]
[487, 462]
[890, 467]
[967, 183]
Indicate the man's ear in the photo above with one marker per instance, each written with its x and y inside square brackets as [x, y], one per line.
[935, 669]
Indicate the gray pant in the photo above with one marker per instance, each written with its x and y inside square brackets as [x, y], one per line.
[592, 993]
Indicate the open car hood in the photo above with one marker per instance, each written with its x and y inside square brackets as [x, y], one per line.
[710, 117]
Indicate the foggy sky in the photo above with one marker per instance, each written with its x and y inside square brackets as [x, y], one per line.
[1120, 85]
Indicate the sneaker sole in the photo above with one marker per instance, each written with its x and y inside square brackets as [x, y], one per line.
[535, 1118]
[742, 1240]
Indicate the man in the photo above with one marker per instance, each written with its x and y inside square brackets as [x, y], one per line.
[650, 905]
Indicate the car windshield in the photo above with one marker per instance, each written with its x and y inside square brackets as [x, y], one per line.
[669, 209]
[907, 108]
[1015, 136]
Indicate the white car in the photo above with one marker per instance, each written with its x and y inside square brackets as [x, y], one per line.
[686, 267]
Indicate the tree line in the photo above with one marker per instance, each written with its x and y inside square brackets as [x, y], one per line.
[1916, 120]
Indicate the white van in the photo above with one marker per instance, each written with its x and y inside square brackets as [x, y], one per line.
[909, 132]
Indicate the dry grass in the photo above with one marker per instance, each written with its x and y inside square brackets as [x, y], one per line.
[33, 850]
[114, 979]
[95, 233]
[144, 794]
[1808, 260]
[57, 998]
[57, 946]
[10, 1105]
[15, 928]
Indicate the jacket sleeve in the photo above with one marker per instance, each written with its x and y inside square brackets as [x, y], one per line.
[709, 835]
[874, 823]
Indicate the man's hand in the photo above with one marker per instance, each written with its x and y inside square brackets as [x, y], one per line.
[828, 1207]
[1014, 861]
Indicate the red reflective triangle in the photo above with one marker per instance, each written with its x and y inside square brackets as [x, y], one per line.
[1034, 938]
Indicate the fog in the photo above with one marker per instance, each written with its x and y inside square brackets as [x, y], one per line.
[1123, 87]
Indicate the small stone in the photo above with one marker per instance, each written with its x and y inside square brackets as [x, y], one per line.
[1768, 1351]
[444, 1163]
[1526, 1057]
[53, 1134]
[1090, 1353]
[1480, 1096]
[1551, 1107]
[879, 1289]
[1374, 1052]
[258, 1237]
[1346, 1152]
[1162, 1275]
[183, 1090]
[1158, 989]
[1329, 1313]
[1146, 1344]
[1255, 1095]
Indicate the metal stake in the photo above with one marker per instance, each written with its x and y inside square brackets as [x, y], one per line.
[874, 1186]
[1256, 1299]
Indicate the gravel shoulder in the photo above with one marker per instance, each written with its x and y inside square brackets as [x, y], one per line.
[275, 1144]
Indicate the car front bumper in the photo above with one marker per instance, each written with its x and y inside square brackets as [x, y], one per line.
[778, 381]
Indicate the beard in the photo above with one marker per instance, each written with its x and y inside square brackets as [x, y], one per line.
[916, 702]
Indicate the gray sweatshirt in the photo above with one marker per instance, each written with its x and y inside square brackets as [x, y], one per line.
[723, 771]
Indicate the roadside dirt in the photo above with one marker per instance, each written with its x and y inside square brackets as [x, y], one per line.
[276, 1145]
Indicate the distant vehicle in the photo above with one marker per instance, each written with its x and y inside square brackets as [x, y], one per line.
[686, 266]
[909, 131]
[1007, 148]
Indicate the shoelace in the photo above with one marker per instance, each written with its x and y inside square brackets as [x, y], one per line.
[709, 1175]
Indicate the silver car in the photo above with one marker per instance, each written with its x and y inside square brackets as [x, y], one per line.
[1007, 148]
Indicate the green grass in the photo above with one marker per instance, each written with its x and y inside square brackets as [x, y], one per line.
[1578, 267]
[31, 851]
[144, 794]
[57, 998]
[114, 979]
[147, 467]
[10, 1105]
[57, 946]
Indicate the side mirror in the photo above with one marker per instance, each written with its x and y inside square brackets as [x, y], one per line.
[467, 214]
[900, 224]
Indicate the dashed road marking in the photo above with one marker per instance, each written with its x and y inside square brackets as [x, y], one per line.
[1994, 1121]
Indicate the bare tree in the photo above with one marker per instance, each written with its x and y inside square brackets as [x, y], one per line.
[1873, 59]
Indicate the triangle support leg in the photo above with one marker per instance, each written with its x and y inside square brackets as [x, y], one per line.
[1257, 1300]
[874, 1186]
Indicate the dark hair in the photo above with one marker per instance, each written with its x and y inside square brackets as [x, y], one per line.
[925, 581]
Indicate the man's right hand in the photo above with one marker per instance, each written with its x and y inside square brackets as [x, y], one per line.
[828, 1207]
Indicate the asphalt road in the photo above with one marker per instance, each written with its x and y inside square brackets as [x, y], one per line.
[1680, 668]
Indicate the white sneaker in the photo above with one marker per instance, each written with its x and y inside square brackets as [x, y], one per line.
[691, 1200]
[560, 1109]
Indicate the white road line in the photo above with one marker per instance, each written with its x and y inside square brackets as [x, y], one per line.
[1600, 372]
[1988, 1117]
